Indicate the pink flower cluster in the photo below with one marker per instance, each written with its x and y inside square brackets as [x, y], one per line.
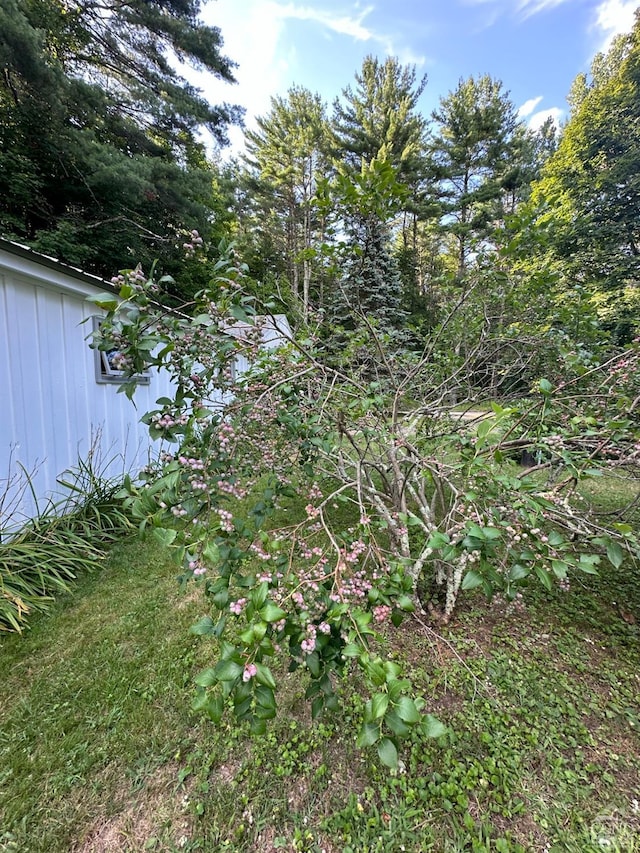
[197, 568]
[309, 643]
[381, 613]
[357, 549]
[166, 421]
[232, 489]
[315, 493]
[250, 671]
[226, 520]
[259, 551]
[191, 462]
[226, 434]
[195, 242]
[236, 607]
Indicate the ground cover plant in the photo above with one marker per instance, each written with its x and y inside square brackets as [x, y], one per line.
[101, 751]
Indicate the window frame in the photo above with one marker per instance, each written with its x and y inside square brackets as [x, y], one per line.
[105, 374]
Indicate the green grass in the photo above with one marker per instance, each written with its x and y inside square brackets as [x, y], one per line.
[99, 750]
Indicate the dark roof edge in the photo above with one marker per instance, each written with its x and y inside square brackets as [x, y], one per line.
[44, 260]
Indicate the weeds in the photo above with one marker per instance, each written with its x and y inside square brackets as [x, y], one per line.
[100, 751]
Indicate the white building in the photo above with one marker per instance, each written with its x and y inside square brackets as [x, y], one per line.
[58, 397]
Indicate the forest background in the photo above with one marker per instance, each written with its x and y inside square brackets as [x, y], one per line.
[102, 166]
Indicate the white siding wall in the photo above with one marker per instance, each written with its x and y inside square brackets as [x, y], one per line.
[51, 406]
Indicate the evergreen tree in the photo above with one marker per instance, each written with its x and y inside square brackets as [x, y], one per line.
[590, 189]
[380, 118]
[369, 287]
[99, 159]
[288, 153]
[477, 170]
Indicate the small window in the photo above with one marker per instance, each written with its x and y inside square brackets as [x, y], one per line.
[106, 365]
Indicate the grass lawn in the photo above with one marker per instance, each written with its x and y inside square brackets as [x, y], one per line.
[99, 750]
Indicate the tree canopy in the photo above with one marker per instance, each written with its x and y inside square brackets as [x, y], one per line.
[101, 161]
[589, 193]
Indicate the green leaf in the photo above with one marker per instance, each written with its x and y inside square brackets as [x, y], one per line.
[265, 697]
[545, 386]
[259, 595]
[397, 726]
[432, 727]
[379, 705]
[272, 613]
[107, 301]
[406, 710]
[615, 554]
[206, 678]
[203, 627]
[543, 576]
[369, 734]
[317, 707]
[227, 670]
[215, 708]
[221, 599]
[484, 427]
[471, 580]
[351, 651]
[239, 313]
[388, 753]
[313, 663]
[397, 618]
[200, 700]
[163, 535]
[518, 572]
[392, 670]
[404, 602]
[264, 676]
[587, 563]
[211, 553]
[438, 540]
[258, 726]
[559, 568]
[491, 533]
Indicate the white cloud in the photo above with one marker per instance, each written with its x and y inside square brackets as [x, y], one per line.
[522, 9]
[614, 17]
[528, 107]
[343, 24]
[352, 26]
[253, 32]
[532, 7]
[538, 119]
[525, 7]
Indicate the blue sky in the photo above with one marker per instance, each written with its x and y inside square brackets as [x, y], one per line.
[536, 47]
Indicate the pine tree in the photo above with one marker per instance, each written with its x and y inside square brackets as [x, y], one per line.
[474, 155]
[100, 163]
[288, 154]
[379, 120]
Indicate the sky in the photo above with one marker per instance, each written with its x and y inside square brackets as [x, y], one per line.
[535, 47]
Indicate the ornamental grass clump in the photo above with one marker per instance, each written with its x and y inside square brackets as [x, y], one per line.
[41, 558]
